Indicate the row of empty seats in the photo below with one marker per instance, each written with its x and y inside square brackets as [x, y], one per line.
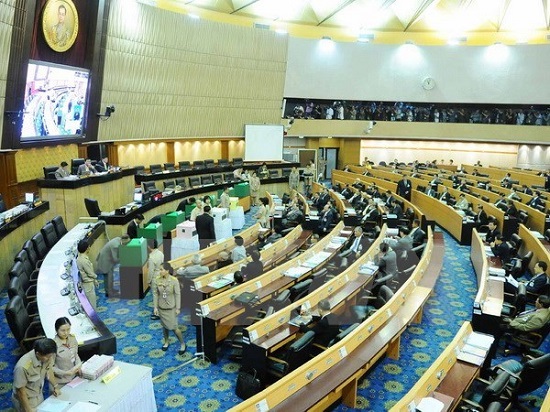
[196, 165]
[22, 310]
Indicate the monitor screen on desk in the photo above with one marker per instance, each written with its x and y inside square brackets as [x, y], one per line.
[138, 197]
[29, 197]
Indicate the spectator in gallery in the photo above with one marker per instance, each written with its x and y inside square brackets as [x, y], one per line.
[63, 171]
[329, 114]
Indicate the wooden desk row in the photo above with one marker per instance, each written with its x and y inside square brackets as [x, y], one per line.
[267, 335]
[334, 373]
[497, 174]
[447, 376]
[220, 313]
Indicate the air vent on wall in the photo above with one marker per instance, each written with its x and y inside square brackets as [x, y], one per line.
[261, 26]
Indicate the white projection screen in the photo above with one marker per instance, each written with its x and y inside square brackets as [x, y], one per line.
[263, 142]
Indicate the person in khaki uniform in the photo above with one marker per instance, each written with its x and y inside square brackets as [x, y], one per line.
[67, 362]
[88, 276]
[166, 305]
[29, 374]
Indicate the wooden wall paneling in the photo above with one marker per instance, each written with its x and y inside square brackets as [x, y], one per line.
[112, 153]
[170, 155]
[224, 149]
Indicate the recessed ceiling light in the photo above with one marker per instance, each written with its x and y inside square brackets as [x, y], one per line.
[328, 38]
[194, 16]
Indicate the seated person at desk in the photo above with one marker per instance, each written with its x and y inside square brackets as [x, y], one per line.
[514, 195]
[292, 216]
[263, 171]
[493, 232]
[395, 209]
[67, 362]
[195, 270]
[238, 173]
[481, 218]
[535, 200]
[526, 189]
[403, 244]
[511, 209]
[326, 325]
[254, 268]
[133, 226]
[502, 249]
[536, 285]
[386, 259]
[63, 171]
[321, 199]
[223, 260]
[103, 165]
[29, 374]
[354, 247]
[462, 203]
[347, 192]
[326, 218]
[417, 235]
[238, 277]
[86, 168]
[445, 196]
[371, 213]
[431, 190]
[501, 202]
[239, 251]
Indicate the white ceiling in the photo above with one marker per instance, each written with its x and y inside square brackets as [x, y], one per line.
[411, 16]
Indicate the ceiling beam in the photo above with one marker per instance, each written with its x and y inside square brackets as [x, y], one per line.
[418, 14]
[546, 16]
[332, 13]
[503, 12]
[245, 6]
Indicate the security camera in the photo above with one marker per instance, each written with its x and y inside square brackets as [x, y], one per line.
[370, 125]
[108, 110]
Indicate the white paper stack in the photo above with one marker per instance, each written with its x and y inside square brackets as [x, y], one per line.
[96, 366]
[296, 271]
[475, 349]
[497, 271]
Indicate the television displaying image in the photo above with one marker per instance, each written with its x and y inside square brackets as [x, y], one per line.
[55, 102]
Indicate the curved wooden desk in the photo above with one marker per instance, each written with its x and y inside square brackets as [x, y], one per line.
[91, 333]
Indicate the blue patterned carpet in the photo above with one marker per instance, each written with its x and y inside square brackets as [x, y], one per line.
[198, 386]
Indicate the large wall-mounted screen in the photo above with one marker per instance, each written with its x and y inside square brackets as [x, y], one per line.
[55, 102]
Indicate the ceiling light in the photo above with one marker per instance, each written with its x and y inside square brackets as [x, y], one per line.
[409, 42]
[281, 31]
[365, 37]
[457, 40]
[194, 16]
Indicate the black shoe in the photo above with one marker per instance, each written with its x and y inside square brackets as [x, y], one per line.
[165, 347]
[155, 317]
[182, 351]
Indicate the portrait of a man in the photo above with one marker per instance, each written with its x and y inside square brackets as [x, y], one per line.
[60, 24]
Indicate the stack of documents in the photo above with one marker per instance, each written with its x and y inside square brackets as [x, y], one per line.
[336, 242]
[489, 251]
[497, 271]
[300, 319]
[96, 366]
[368, 268]
[475, 349]
[317, 259]
[296, 271]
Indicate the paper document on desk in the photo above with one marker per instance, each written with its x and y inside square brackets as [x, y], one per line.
[497, 271]
[53, 404]
[368, 268]
[489, 251]
[317, 259]
[510, 279]
[536, 234]
[470, 358]
[220, 283]
[474, 350]
[430, 405]
[296, 271]
[300, 319]
[84, 407]
[480, 340]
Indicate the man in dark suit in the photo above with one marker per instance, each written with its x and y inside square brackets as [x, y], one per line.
[386, 260]
[326, 218]
[322, 199]
[371, 213]
[501, 202]
[535, 200]
[86, 168]
[205, 227]
[481, 217]
[132, 229]
[502, 249]
[431, 191]
[347, 192]
[103, 165]
[511, 209]
[354, 247]
[254, 268]
[388, 198]
[404, 188]
[396, 209]
[403, 244]
[526, 189]
[417, 234]
[326, 326]
[445, 196]
[493, 232]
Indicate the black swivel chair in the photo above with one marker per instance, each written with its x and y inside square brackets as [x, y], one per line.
[209, 163]
[194, 181]
[156, 168]
[299, 290]
[223, 163]
[228, 177]
[49, 234]
[75, 164]
[273, 173]
[206, 180]
[524, 341]
[364, 311]
[40, 246]
[23, 257]
[60, 227]
[286, 172]
[92, 206]
[2, 205]
[49, 171]
[526, 377]
[170, 167]
[482, 393]
[19, 270]
[184, 165]
[15, 289]
[199, 165]
[140, 170]
[338, 337]
[217, 178]
[149, 187]
[24, 329]
[180, 181]
[33, 257]
[296, 355]
[169, 185]
[237, 162]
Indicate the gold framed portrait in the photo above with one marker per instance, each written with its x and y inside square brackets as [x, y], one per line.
[60, 24]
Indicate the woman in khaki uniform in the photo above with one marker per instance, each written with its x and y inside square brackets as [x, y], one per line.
[294, 179]
[254, 183]
[67, 362]
[166, 304]
[88, 276]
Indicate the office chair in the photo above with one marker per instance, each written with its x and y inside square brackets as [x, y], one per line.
[194, 181]
[156, 168]
[40, 246]
[19, 271]
[2, 205]
[170, 167]
[169, 184]
[24, 328]
[402, 277]
[337, 338]
[149, 187]
[235, 337]
[525, 340]
[206, 180]
[300, 289]
[92, 206]
[140, 170]
[523, 217]
[49, 172]
[318, 279]
[228, 177]
[286, 172]
[49, 234]
[75, 164]
[296, 355]
[273, 173]
[237, 162]
[526, 377]
[209, 163]
[198, 165]
[282, 300]
[514, 303]
[60, 228]
[181, 182]
[223, 163]
[15, 289]
[33, 257]
[483, 392]
[184, 165]
[362, 312]
[23, 257]
[217, 178]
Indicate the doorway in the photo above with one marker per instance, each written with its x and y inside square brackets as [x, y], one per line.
[330, 156]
